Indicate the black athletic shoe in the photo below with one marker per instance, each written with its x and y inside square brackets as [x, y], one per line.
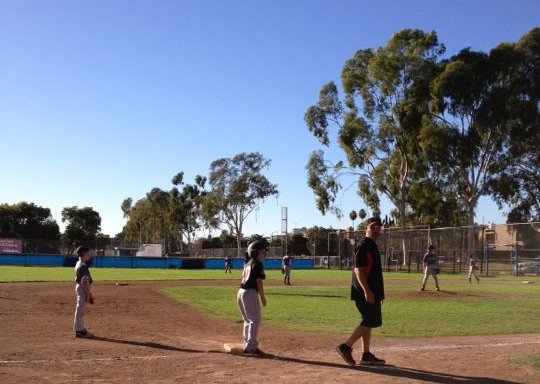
[438, 289]
[346, 352]
[369, 358]
[83, 335]
[254, 352]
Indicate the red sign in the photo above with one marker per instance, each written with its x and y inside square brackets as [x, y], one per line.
[10, 246]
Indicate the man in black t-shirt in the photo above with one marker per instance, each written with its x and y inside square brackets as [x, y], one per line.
[367, 290]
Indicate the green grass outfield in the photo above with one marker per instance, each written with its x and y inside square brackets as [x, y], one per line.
[11, 274]
[489, 308]
[498, 305]
[34, 274]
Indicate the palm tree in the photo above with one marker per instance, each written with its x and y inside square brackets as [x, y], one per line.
[362, 214]
[353, 217]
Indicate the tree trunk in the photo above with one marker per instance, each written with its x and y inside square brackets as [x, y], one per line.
[403, 223]
[471, 238]
[239, 245]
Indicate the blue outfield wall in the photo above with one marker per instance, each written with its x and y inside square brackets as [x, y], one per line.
[30, 260]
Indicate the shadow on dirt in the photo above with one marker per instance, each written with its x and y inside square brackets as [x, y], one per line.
[399, 372]
[146, 344]
[384, 370]
[431, 377]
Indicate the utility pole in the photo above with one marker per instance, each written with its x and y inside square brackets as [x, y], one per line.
[284, 219]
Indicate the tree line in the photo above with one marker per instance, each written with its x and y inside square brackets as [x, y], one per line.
[433, 134]
[233, 189]
[41, 233]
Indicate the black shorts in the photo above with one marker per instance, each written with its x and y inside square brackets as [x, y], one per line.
[371, 313]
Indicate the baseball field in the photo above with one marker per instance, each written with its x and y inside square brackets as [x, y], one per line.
[169, 326]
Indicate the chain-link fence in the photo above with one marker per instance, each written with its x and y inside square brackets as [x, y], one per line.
[499, 249]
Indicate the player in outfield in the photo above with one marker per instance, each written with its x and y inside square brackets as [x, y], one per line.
[83, 290]
[286, 264]
[431, 267]
[367, 290]
[251, 288]
[228, 264]
[472, 270]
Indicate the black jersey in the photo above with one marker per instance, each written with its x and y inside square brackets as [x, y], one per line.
[430, 258]
[82, 273]
[253, 270]
[367, 256]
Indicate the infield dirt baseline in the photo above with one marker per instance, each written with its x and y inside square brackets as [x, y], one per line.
[236, 349]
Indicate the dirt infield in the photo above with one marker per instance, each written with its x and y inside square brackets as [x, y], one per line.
[145, 337]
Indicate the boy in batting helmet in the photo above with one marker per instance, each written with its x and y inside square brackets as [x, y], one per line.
[83, 281]
[251, 288]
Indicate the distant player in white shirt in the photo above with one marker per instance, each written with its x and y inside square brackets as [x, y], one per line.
[286, 263]
[472, 269]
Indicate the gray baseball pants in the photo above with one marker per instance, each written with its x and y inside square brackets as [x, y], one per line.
[250, 308]
[80, 309]
[430, 270]
[287, 270]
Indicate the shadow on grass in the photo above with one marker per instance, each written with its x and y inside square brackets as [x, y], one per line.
[301, 295]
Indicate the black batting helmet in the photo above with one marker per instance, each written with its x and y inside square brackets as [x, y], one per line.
[254, 247]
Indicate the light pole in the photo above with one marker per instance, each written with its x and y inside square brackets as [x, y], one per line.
[328, 254]
[284, 223]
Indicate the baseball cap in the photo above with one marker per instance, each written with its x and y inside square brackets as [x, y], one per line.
[81, 250]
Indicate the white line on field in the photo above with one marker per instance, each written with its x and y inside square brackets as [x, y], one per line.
[382, 349]
[91, 359]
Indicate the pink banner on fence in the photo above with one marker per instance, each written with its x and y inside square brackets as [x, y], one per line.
[10, 246]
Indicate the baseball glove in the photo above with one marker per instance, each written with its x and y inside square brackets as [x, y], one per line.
[437, 270]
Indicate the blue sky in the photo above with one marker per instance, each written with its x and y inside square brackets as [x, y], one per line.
[105, 100]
